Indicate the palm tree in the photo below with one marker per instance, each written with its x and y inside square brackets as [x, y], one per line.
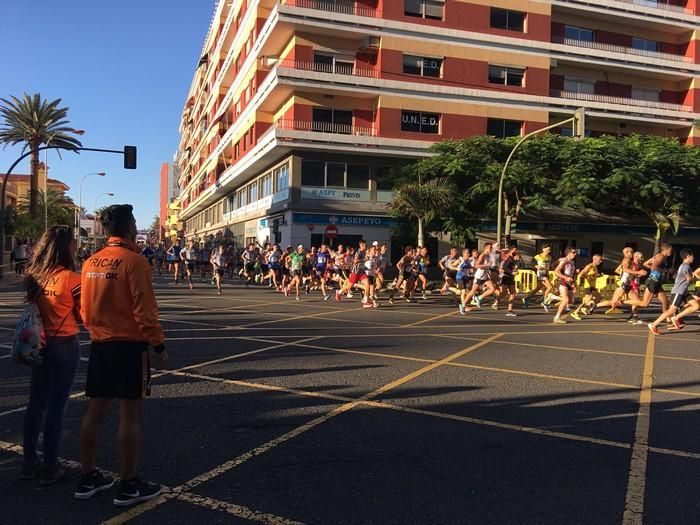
[35, 121]
[423, 201]
[664, 223]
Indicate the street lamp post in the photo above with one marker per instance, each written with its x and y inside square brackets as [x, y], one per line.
[94, 224]
[80, 202]
[46, 173]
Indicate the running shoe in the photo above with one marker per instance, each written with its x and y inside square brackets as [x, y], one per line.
[326, 297]
[526, 302]
[375, 304]
[91, 484]
[365, 300]
[576, 315]
[391, 300]
[511, 314]
[286, 291]
[367, 305]
[409, 300]
[462, 310]
[558, 320]
[546, 307]
[584, 310]
[298, 298]
[349, 295]
[219, 291]
[135, 491]
[494, 306]
[653, 329]
[424, 297]
[477, 299]
[591, 309]
[338, 295]
[676, 324]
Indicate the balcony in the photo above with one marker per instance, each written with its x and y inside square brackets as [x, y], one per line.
[325, 127]
[344, 7]
[333, 69]
[620, 49]
[606, 99]
[651, 4]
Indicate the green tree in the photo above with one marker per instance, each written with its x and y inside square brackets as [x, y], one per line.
[34, 121]
[60, 210]
[422, 201]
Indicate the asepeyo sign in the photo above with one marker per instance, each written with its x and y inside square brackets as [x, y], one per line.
[335, 195]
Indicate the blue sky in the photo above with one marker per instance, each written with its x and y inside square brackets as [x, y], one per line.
[123, 68]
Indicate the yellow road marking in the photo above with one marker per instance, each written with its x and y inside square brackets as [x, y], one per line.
[636, 482]
[434, 318]
[236, 510]
[202, 478]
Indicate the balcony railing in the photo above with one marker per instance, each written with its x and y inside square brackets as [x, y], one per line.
[619, 49]
[645, 3]
[338, 6]
[325, 127]
[336, 69]
[607, 99]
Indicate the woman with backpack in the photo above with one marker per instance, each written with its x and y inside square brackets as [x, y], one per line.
[52, 284]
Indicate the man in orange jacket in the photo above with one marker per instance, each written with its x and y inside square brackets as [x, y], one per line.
[119, 310]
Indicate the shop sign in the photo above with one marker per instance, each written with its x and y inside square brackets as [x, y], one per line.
[335, 195]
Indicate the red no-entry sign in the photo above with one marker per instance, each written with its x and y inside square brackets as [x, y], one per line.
[331, 231]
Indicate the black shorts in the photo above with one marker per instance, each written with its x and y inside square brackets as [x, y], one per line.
[371, 279]
[220, 272]
[264, 268]
[249, 267]
[118, 370]
[407, 276]
[678, 299]
[654, 286]
[191, 265]
[465, 283]
[450, 274]
[591, 291]
[507, 280]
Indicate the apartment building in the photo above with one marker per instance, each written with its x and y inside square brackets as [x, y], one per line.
[299, 109]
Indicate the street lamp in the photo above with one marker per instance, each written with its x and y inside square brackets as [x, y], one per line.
[80, 202]
[94, 224]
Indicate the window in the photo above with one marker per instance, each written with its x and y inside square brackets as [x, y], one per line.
[508, 76]
[335, 175]
[423, 66]
[253, 192]
[503, 128]
[330, 120]
[506, 19]
[645, 45]
[430, 9]
[236, 150]
[281, 178]
[639, 93]
[578, 33]
[358, 177]
[266, 185]
[312, 173]
[333, 64]
[420, 122]
[579, 85]
[384, 178]
[245, 141]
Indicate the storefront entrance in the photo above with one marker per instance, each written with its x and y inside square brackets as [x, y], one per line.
[346, 240]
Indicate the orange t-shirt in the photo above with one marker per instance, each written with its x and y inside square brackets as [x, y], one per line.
[59, 304]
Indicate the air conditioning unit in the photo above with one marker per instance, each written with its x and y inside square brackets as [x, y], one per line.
[370, 45]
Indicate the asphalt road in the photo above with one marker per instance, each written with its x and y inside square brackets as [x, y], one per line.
[276, 411]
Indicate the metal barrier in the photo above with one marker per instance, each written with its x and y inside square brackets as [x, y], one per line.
[525, 281]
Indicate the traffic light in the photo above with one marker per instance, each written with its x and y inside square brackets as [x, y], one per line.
[580, 123]
[129, 157]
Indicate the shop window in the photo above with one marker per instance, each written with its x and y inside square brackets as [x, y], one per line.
[335, 175]
[358, 177]
[312, 173]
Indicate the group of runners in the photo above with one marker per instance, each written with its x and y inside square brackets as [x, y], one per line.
[472, 277]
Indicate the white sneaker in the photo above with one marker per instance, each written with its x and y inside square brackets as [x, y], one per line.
[349, 295]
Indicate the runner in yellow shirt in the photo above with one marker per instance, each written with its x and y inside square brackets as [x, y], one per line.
[543, 263]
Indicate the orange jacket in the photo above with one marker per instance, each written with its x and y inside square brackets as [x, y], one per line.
[117, 299]
[60, 304]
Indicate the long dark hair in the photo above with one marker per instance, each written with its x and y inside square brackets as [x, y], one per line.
[52, 250]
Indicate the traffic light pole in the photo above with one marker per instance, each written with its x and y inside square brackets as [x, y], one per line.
[129, 153]
[577, 120]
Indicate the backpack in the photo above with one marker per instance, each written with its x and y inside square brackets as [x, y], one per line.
[30, 340]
